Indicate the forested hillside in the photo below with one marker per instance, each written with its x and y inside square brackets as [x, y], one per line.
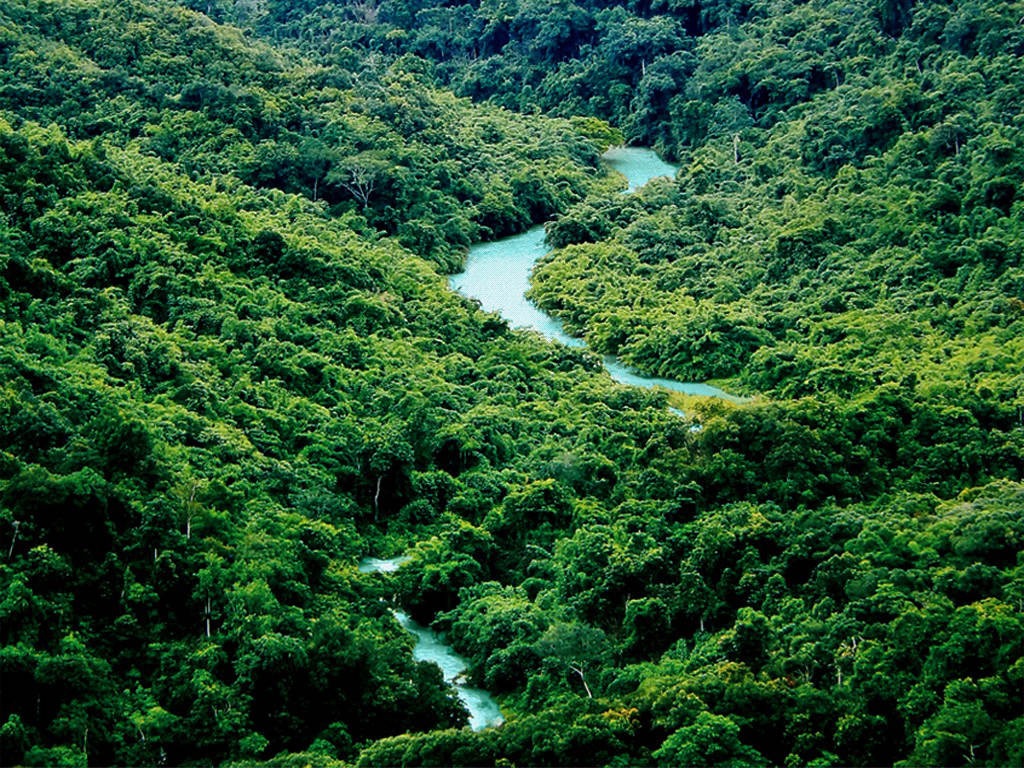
[232, 368]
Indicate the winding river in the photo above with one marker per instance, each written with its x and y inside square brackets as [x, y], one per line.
[430, 647]
[497, 274]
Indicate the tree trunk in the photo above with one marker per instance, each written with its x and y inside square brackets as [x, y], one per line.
[376, 500]
[583, 680]
[14, 538]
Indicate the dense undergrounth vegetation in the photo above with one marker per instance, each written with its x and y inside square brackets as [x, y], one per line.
[232, 367]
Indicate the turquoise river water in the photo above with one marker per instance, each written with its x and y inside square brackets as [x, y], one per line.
[497, 274]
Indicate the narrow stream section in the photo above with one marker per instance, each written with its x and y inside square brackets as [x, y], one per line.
[483, 709]
[497, 274]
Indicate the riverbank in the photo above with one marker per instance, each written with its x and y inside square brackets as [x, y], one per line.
[497, 275]
[483, 709]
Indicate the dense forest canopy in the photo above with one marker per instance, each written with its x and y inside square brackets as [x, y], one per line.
[232, 367]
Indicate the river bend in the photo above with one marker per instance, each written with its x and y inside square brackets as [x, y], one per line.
[497, 275]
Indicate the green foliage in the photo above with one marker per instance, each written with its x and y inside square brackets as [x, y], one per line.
[232, 368]
[709, 740]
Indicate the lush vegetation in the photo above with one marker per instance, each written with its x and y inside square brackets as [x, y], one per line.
[232, 368]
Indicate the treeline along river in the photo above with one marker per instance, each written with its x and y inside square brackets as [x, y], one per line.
[497, 274]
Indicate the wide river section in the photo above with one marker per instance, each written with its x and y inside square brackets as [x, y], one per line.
[497, 274]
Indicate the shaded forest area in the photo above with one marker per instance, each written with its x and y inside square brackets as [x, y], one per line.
[232, 367]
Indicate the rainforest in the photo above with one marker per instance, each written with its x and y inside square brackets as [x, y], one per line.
[233, 370]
